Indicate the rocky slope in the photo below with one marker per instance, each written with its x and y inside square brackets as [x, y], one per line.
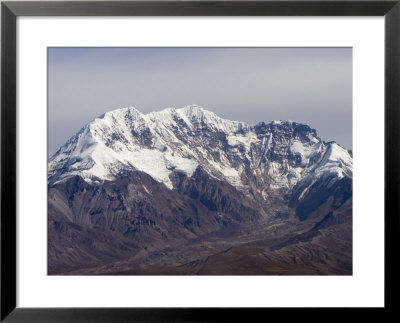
[128, 186]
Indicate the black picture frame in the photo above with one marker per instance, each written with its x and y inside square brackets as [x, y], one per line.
[10, 10]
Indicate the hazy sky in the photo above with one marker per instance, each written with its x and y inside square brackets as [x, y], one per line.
[308, 85]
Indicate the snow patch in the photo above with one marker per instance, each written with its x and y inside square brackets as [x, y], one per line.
[244, 141]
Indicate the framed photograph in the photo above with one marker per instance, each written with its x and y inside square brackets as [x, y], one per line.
[197, 160]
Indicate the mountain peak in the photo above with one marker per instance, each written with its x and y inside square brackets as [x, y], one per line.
[194, 111]
[121, 113]
[192, 107]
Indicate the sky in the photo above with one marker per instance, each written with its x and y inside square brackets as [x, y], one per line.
[306, 85]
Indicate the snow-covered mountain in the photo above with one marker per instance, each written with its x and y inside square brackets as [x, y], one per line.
[172, 191]
[272, 156]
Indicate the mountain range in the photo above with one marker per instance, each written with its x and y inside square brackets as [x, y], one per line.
[183, 191]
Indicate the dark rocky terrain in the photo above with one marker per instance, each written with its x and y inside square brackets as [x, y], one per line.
[184, 192]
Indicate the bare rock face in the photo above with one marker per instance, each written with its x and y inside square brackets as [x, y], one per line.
[182, 191]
